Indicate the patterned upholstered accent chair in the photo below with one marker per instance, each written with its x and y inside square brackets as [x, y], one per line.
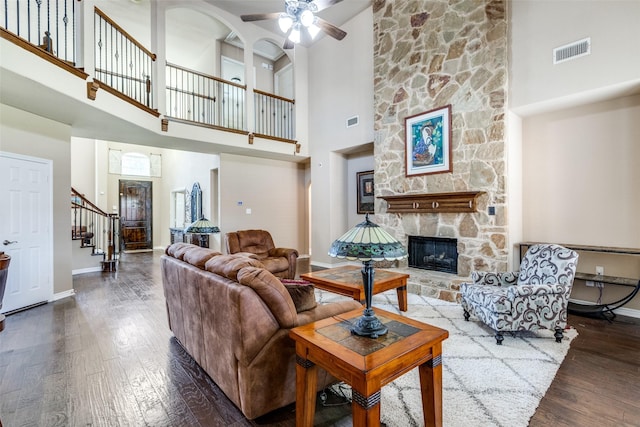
[534, 298]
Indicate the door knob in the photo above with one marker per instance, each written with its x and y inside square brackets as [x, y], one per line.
[6, 242]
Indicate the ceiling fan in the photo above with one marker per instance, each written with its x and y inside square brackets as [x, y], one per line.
[299, 15]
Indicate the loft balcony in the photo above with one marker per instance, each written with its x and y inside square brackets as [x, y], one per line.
[74, 63]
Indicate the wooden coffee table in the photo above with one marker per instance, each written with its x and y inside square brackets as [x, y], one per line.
[367, 364]
[347, 281]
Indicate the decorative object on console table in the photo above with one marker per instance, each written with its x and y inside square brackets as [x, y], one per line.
[457, 202]
[368, 242]
[5, 260]
[365, 192]
[428, 142]
[196, 202]
[202, 228]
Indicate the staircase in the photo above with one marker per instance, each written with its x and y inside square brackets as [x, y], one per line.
[95, 230]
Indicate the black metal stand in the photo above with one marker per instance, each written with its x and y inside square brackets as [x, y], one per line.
[368, 324]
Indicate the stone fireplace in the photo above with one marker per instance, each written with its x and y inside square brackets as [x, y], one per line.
[428, 55]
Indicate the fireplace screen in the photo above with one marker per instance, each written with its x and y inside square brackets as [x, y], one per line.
[434, 253]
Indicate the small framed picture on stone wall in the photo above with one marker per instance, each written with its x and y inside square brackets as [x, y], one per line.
[365, 192]
[428, 142]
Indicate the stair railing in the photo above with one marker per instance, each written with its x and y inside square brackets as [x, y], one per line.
[95, 228]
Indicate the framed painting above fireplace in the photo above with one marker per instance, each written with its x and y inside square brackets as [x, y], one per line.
[428, 142]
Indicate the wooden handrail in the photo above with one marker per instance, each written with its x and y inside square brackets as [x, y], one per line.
[201, 74]
[19, 41]
[93, 207]
[270, 95]
[127, 35]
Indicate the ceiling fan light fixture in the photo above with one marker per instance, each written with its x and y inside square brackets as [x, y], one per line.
[307, 18]
[285, 22]
[313, 30]
[295, 34]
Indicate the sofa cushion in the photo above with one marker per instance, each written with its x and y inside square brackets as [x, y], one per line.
[229, 265]
[302, 293]
[177, 250]
[272, 292]
[198, 256]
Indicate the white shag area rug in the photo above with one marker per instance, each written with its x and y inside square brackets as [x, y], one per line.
[484, 384]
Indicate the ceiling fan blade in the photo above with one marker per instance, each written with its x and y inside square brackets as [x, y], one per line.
[323, 4]
[260, 16]
[330, 29]
[288, 44]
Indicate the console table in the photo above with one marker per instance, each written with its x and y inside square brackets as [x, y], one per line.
[605, 310]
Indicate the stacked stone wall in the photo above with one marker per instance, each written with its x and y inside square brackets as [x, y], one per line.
[429, 54]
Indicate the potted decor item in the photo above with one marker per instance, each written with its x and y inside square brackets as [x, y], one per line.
[4, 269]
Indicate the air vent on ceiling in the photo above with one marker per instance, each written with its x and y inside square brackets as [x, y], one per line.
[572, 50]
[353, 121]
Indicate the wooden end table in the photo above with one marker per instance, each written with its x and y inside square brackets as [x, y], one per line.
[367, 364]
[347, 281]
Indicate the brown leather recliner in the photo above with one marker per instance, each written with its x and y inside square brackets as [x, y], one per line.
[281, 262]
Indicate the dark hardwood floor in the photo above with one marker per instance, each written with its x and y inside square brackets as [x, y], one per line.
[106, 358]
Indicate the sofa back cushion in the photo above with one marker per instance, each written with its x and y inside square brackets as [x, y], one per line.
[229, 265]
[272, 292]
[192, 254]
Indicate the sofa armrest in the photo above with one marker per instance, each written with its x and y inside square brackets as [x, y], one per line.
[542, 289]
[283, 252]
[494, 279]
[323, 311]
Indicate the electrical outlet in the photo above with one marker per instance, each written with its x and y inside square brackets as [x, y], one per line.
[599, 270]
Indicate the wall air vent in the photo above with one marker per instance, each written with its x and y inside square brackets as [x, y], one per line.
[353, 121]
[572, 50]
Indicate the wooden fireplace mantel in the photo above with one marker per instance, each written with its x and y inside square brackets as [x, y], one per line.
[456, 202]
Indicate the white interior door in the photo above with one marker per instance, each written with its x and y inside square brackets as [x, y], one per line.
[25, 229]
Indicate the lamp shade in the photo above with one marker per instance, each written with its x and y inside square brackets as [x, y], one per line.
[367, 241]
[202, 226]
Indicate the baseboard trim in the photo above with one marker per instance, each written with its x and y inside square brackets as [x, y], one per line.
[339, 264]
[629, 312]
[85, 270]
[60, 295]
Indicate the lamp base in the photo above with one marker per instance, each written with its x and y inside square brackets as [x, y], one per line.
[368, 325]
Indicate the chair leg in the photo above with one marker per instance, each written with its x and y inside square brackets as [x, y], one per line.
[558, 335]
[466, 315]
[499, 338]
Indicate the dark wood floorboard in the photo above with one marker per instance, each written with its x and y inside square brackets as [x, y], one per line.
[107, 358]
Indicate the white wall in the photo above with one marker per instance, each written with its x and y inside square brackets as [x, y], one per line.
[31, 135]
[539, 26]
[273, 190]
[581, 177]
[346, 67]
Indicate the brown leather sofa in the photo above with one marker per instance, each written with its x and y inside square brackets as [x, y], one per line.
[233, 317]
[279, 261]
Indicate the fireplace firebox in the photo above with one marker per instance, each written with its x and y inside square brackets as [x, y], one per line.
[434, 253]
